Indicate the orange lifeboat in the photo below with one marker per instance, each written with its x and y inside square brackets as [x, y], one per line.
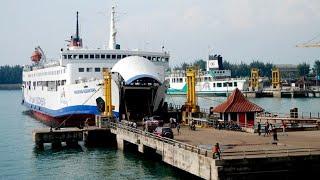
[36, 56]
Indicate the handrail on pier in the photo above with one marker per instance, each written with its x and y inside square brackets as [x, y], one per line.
[233, 154]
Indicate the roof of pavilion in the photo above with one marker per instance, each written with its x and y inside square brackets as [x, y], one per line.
[236, 102]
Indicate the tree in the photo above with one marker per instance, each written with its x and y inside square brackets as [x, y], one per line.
[303, 69]
[316, 67]
[201, 64]
[10, 74]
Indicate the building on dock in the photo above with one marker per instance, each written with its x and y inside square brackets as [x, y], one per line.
[238, 109]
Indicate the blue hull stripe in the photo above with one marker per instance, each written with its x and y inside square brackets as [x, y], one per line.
[78, 109]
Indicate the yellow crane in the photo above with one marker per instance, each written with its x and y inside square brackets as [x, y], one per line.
[191, 105]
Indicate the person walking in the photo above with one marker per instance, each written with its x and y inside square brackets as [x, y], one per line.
[266, 129]
[284, 125]
[217, 151]
[275, 135]
[259, 128]
[178, 128]
[270, 129]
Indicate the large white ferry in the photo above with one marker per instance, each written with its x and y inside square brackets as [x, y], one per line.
[69, 89]
[215, 81]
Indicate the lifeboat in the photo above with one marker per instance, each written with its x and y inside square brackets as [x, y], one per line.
[36, 56]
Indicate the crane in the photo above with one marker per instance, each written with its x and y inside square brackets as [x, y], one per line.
[310, 44]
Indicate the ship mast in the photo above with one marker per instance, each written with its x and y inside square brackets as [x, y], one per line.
[75, 41]
[113, 31]
[77, 30]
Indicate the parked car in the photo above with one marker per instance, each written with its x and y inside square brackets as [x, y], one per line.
[150, 125]
[164, 132]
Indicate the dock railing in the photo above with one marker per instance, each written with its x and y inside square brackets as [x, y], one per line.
[279, 152]
[225, 154]
[297, 115]
[163, 139]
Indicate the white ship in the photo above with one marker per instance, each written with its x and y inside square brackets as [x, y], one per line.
[67, 90]
[215, 81]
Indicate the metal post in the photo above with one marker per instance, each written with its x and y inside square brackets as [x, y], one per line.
[107, 93]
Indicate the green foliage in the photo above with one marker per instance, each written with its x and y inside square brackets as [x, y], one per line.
[316, 67]
[244, 70]
[10, 74]
[201, 64]
[303, 69]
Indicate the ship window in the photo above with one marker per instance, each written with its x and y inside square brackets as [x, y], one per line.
[108, 56]
[103, 56]
[86, 56]
[75, 56]
[64, 56]
[113, 56]
[205, 78]
[97, 56]
[63, 82]
[118, 56]
[97, 70]
[80, 56]
[158, 58]
[89, 69]
[167, 59]
[235, 84]
[230, 84]
[69, 56]
[91, 56]
[219, 85]
[81, 69]
[214, 84]
[180, 80]
[149, 57]
[124, 56]
[225, 84]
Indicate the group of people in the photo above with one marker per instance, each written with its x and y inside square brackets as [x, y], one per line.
[268, 128]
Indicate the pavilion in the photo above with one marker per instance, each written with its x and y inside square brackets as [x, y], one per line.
[238, 109]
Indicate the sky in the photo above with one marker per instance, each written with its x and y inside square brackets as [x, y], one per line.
[239, 30]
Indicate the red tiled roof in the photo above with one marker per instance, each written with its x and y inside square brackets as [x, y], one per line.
[236, 102]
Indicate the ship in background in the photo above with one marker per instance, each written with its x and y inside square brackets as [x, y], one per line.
[68, 90]
[214, 81]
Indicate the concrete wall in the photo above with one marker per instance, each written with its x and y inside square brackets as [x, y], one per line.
[174, 154]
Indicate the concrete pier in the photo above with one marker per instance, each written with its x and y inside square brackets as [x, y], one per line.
[199, 161]
[57, 136]
[237, 160]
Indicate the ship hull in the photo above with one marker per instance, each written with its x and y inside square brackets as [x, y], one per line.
[71, 120]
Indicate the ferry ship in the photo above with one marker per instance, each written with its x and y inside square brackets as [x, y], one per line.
[214, 81]
[68, 90]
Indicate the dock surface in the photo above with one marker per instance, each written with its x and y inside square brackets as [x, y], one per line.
[240, 140]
